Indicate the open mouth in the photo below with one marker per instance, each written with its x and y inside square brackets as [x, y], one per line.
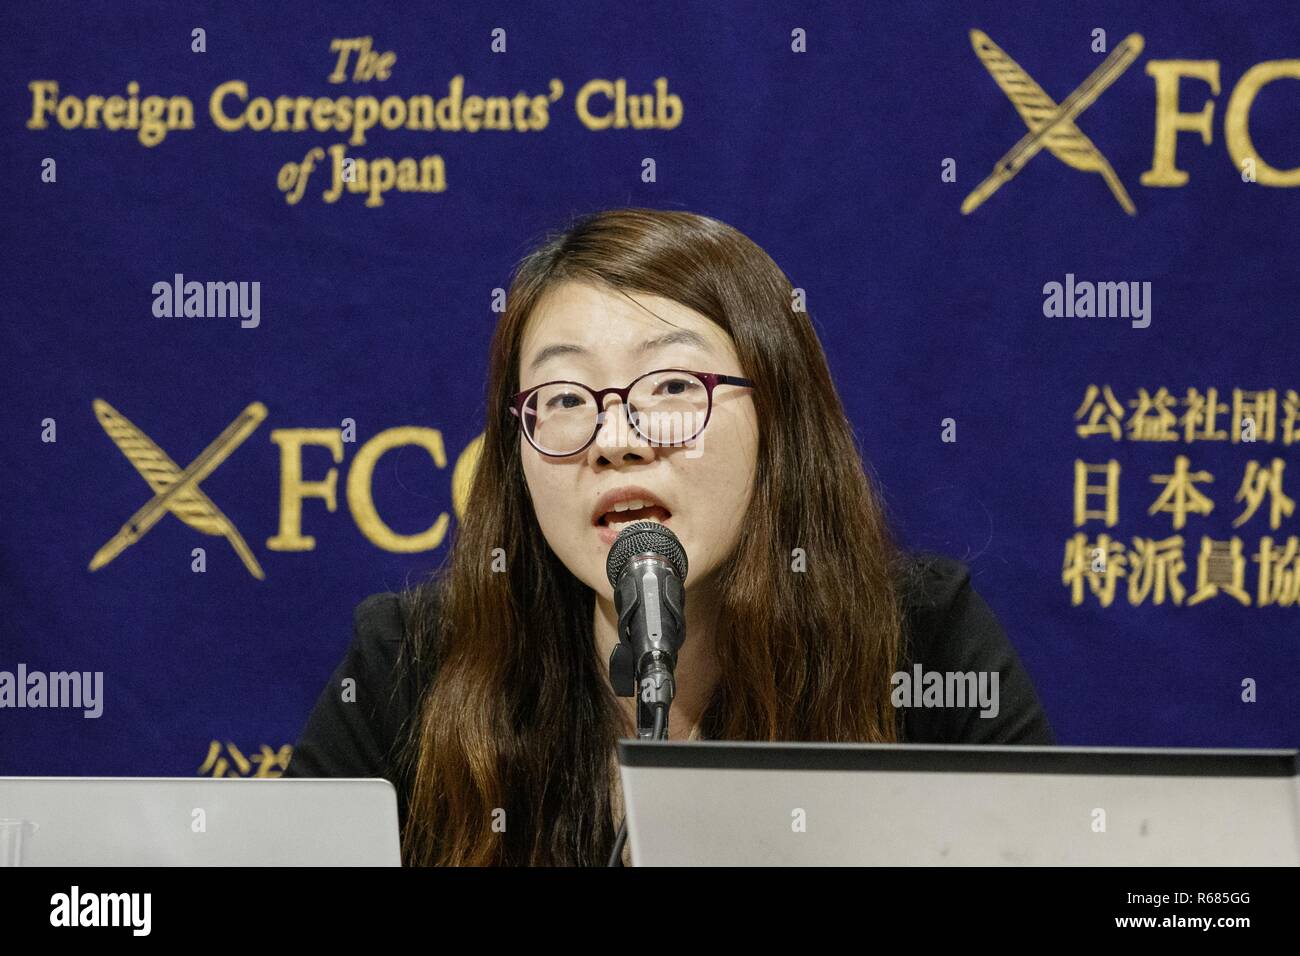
[634, 511]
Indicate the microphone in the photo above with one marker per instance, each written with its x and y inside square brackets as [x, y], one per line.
[647, 569]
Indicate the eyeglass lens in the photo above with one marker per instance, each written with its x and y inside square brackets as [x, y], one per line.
[667, 408]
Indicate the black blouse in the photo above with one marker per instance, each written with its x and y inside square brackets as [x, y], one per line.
[950, 630]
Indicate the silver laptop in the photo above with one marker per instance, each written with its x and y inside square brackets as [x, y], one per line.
[197, 821]
[718, 803]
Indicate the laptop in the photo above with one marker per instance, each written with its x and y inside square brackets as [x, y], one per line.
[197, 821]
[721, 803]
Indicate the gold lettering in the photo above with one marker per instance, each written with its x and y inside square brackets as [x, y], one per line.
[292, 487]
[362, 502]
[594, 88]
[1170, 122]
[223, 122]
[45, 97]
[462, 476]
[1236, 121]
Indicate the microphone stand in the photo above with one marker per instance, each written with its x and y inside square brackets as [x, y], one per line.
[658, 688]
[658, 731]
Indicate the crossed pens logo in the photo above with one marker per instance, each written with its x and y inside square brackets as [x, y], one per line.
[175, 489]
[1050, 125]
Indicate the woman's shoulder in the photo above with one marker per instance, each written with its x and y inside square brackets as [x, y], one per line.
[947, 621]
[378, 621]
[376, 689]
[932, 581]
[387, 621]
[937, 596]
[379, 638]
[396, 633]
[952, 632]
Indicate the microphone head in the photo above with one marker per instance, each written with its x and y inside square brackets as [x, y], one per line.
[641, 537]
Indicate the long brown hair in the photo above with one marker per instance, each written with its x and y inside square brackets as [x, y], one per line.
[510, 755]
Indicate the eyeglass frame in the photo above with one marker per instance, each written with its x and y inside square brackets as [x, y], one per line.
[711, 381]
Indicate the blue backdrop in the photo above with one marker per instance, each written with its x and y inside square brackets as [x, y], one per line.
[841, 138]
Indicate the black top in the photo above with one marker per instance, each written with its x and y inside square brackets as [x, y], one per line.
[951, 629]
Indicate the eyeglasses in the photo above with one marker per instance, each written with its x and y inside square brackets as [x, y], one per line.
[669, 406]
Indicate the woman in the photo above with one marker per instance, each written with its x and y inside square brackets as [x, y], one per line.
[484, 695]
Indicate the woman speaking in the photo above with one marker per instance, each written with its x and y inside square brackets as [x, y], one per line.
[649, 366]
